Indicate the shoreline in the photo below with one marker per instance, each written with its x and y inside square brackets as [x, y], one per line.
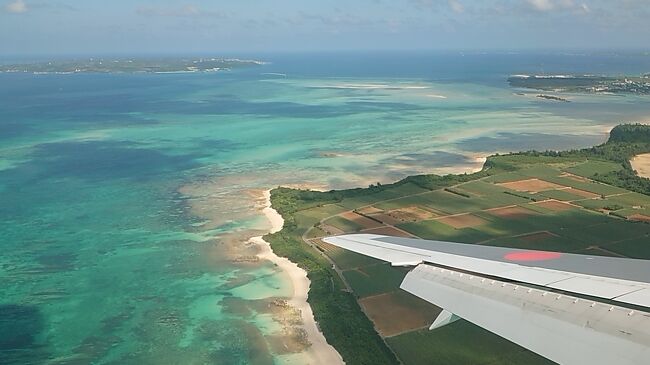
[641, 164]
[320, 352]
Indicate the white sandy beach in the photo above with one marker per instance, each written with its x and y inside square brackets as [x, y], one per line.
[320, 352]
[641, 164]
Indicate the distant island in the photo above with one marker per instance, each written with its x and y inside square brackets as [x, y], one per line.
[131, 65]
[584, 83]
[554, 98]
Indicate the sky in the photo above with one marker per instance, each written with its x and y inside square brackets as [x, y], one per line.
[41, 27]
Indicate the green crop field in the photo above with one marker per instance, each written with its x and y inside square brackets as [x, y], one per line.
[408, 189]
[505, 177]
[606, 233]
[632, 200]
[401, 203]
[543, 172]
[354, 203]
[315, 232]
[590, 168]
[638, 248]
[481, 188]
[374, 279]
[504, 199]
[346, 260]
[626, 204]
[592, 187]
[449, 203]
[597, 204]
[507, 227]
[460, 343]
[560, 195]
[343, 224]
[434, 230]
[309, 217]
[630, 212]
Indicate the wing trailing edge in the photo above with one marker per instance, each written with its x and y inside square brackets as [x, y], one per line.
[562, 328]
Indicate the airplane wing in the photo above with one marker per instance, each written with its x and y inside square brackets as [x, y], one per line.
[571, 309]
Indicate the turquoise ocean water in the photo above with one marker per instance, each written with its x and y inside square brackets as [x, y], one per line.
[126, 200]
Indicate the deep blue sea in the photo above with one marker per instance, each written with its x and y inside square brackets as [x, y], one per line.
[127, 200]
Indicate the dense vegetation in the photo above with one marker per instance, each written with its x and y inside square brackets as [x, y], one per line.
[337, 311]
[625, 141]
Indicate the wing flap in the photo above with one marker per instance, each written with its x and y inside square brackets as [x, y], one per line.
[639, 297]
[562, 328]
[601, 288]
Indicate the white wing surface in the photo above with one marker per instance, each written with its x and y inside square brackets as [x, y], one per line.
[561, 306]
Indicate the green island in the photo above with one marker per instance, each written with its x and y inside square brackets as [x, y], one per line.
[586, 201]
[553, 98]
[588, 83]
[130, 65]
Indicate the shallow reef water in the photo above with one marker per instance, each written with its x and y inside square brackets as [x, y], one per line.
[127, 200]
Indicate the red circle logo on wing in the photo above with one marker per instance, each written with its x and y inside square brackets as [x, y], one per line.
[523, 256]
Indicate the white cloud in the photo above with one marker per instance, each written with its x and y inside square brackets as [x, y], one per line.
[17, 7]
[424, 4]
[184, 11]
[558, 5]
[542, 5]
[456, 6]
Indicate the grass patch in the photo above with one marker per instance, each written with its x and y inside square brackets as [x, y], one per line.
[346, 260]
[310, 217]
[460, 343]
[637, 248]
[632, 200]
[612, 230]
[596, 204]
[593, 167]
[482, 188]
[343, 224]
[539, 241]
[434, 230]
[375, 279]
[562, 195]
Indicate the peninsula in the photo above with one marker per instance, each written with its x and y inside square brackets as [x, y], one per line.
[581, 201]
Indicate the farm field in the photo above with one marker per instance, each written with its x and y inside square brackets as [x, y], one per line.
[374, 279]
[587, 201]
[406, 312]
[544, 206]
[460, 343]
